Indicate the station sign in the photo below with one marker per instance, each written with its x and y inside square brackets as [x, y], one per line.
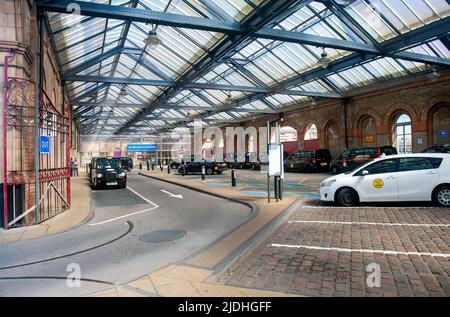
[276, 167]
[141, 147]
[44, 142]
[443, 133]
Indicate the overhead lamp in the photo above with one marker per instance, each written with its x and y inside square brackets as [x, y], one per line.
[123, 92]
[324, 59]
[229, 98]
[152, 39]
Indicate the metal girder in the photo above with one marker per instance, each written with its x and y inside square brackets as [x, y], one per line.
[89, 93]
[303, 38]
[445, 40]
[98, 59]
[156, 70]
[146, 16]
[432, 30]
[109, 104]
[205, 86]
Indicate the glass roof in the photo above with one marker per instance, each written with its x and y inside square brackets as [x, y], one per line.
[114, 77]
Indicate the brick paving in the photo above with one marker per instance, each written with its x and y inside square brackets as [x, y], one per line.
[323, 272]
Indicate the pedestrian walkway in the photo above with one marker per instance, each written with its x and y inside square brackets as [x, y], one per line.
[182, 281]
[79, 211]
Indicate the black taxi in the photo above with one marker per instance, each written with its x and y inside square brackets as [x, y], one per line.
[107, 172]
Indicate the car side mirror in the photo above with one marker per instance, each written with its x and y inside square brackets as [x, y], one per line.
[365, 172]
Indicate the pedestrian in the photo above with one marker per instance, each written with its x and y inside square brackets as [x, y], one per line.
[75, 167]
[72, 167]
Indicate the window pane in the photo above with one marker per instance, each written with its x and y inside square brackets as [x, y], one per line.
[386, 166]
[414, 164]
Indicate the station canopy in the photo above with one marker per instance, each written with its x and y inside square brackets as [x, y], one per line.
[148, 66]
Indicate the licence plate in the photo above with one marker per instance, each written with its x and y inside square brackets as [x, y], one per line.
[111, 184]
[323, 164]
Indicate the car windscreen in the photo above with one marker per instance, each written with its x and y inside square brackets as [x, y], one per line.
[323, 154]
[108, 163]
[389, 150]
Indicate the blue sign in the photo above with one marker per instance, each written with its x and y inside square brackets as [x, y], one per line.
[141, 147]
[443, 133]
[44, 144]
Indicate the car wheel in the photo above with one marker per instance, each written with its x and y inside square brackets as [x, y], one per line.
[335, 170]
[124, 185]
[308, 169]
[441, 196]
[347, 197]
[209, 171]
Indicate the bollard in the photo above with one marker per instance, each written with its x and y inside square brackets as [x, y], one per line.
[203, 172]
[161, 166]
[148, 166]
[168, 168]
[233, 177]
[183, 170]
[153, 166]
[140, 165]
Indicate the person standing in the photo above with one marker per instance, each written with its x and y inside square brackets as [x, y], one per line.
[72, 167]
[75, 167]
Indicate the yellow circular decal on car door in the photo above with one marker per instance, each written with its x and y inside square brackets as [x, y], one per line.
[378, 183]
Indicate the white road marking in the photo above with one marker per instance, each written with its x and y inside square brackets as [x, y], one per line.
[130, 214]
[172, 195]
[293, 246]
[372, 223]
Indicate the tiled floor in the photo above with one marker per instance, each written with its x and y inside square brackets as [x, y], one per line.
[326, 251]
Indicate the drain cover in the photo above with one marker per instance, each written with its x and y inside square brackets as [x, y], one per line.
[162, 236]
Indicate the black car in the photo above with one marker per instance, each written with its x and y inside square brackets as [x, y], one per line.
[249, 161]
[196, 167]
[351, 159]
[308, 161]
[107, 172]
[438, 148]
[127, 163]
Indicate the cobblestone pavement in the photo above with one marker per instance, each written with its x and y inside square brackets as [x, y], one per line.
[326, 251]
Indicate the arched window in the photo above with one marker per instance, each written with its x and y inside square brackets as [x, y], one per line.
[288, 134]
[403, 134]
[311, 133]
[368, 131]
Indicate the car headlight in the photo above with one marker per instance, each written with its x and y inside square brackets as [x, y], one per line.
[99, 175]
[328, 184]
[122, 174]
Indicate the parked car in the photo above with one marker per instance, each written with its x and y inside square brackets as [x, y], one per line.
[249, 162]
[308, 161]
[127, 163]
[107, 172]
[210, 168]
[351, 159]
[438, 148]
[406, 177]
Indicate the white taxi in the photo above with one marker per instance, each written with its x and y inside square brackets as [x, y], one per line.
[407, 177]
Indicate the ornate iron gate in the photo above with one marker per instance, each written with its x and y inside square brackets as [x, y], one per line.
[19, 167]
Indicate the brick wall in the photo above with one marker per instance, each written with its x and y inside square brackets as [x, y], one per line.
[419, 97]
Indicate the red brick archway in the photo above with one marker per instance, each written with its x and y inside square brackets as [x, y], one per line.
[430, 123]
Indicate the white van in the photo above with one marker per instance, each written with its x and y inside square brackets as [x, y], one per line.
[407, 177]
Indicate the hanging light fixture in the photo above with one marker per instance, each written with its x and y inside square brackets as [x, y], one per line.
[229, 97]
[152, 39]
[123, 91]
[324, 59]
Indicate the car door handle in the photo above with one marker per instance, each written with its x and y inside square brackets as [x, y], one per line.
[431, 173]
[391, 177]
